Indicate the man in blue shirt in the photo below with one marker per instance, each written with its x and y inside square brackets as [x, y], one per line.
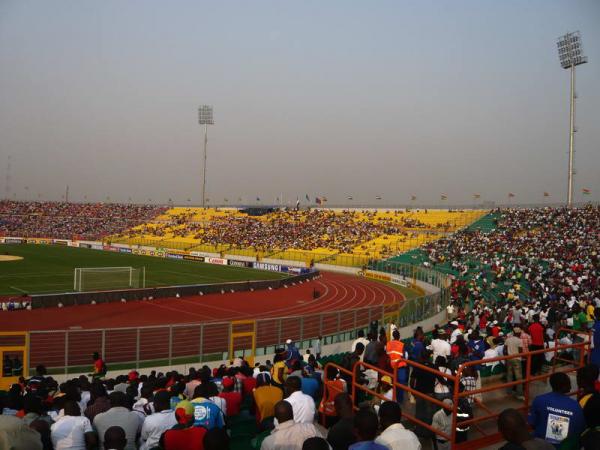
[366, 425]
[206, 413]
[555, 416]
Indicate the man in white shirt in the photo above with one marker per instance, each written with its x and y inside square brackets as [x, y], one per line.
[119, 415]
[361, 338]
[72, 431]
[303, 405]
[288, 433]
[440, 346]
[455, 332]
[394, 435]
[156, 424]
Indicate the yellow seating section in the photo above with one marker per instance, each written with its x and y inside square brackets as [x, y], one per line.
[182, 228]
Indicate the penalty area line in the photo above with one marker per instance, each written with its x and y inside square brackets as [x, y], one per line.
[17, 289]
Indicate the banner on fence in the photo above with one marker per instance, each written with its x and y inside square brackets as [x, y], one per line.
[193, 258]
[124, 250]
[174, 256]
[14, 241]
[220, 261]
[237, 263]
[267, 266]
[378, 275]
[399, 280]
[60, 242]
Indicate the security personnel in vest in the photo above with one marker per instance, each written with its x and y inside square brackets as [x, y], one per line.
[395, 350]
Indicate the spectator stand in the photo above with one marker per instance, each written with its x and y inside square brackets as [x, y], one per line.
[488, 401]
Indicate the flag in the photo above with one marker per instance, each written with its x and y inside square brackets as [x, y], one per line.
[378, 198]
[444, 197]
[297, 203]
[511, 195]
[476, 195]
[350, 197]
[546, 194]
[586, 191]
[413, 197]
[307, 198]
[318, 201]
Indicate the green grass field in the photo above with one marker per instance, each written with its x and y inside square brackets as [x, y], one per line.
[48, 269]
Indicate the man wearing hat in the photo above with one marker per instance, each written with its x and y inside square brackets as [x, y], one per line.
[455, 331]
[184, 435]
[440, 345]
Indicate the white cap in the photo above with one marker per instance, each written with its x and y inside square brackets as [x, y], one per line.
[289, 341]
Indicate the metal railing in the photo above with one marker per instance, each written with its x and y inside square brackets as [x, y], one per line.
[165, 345]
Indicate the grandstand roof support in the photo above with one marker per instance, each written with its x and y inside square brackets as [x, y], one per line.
[570, 53]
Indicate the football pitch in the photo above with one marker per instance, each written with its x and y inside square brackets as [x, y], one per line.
[49, 269]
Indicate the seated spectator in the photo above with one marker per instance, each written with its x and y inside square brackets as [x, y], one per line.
[555, 416]
[512, 426]
[34, 410]
[233, 399]
[315, 443]
[394, 436]
[99, 401]
[15, 434]
[365, 430]
[206, 413]
[114, 438]
[72, 431]
[119, 415]
[288, 433]
[216, 439]
[157, 423]
[265, 397]
[341, 434]
[184, 435]
[302, 404]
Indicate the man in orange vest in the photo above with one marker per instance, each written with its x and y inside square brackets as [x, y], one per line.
[395, 350]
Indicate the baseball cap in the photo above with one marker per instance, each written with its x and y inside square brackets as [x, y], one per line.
[227, 382]
[289, 341]
[386, 379]
[454, 322]
[133, 375]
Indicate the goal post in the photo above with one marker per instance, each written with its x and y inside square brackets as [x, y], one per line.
[108, 278]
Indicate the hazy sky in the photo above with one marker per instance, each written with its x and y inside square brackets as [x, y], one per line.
[334, 98]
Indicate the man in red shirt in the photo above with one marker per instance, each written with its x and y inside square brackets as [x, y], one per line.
[536, 331]
[99, 366]
[184, 435]
[233, 399]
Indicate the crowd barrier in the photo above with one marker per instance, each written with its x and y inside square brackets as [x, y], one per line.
[69, 351]
[487, 401]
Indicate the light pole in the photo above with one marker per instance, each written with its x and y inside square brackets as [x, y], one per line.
[205, 117]
[570, 53]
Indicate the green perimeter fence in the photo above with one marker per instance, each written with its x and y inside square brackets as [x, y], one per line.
[69, 351]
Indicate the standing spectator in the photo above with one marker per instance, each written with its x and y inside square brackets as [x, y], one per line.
[341, 434]
[555, 416]
[513, 346]
[72, 431]
[536, 330]
[440, 345]
[317, 347]
[360, 339]
[157, 423]
[442, 421]
[395, 351]
[370, 355]
[394, 436]
[99, 369]
[333, 386]
[119, 415]
[423, 381]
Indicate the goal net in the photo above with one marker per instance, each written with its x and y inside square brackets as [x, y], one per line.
[108, 278]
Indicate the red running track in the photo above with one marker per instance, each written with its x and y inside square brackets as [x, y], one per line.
[338, 292]
[125, 343]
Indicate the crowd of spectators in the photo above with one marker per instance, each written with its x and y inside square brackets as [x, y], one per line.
[301, 229]
[63, 220]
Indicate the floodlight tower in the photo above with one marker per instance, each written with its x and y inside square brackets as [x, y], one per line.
[205, 117]
[570, 53]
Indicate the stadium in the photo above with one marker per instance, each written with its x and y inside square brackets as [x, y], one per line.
[299, 226]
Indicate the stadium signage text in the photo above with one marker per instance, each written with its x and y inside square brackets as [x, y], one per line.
[235, 263]
[378, 275]
[220, 261]
[267, 266]
[193, 258]
[174, 256]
